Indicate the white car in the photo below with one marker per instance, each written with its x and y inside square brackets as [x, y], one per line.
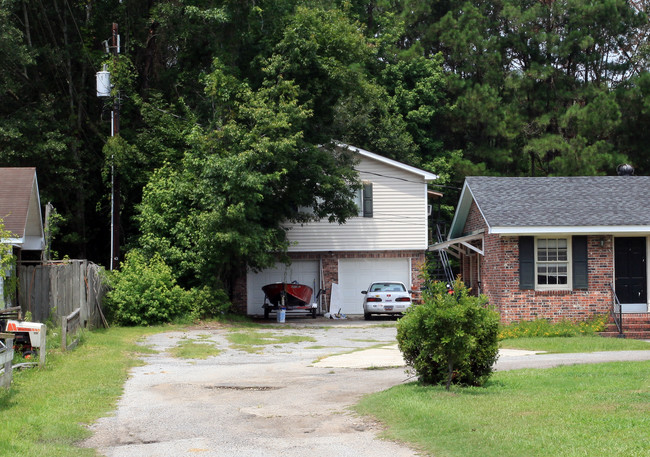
[386, 297]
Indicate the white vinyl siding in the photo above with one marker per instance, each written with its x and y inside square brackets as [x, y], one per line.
[399, 219]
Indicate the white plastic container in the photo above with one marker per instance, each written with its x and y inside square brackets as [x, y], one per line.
[282, 314]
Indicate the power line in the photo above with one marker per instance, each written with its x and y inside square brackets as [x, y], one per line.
[405, 179]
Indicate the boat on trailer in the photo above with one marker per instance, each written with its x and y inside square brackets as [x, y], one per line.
[289, 295]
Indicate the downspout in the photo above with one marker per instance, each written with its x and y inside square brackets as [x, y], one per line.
[478, 273]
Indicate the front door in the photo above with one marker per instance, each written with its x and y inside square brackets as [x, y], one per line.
[631, 278]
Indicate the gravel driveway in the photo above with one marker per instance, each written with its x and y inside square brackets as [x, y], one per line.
[287, 400]
[274, 403]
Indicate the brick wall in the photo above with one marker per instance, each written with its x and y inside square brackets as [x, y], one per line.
[499, 279]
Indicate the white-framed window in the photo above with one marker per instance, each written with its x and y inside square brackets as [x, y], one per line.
[363, 199]
[553, 263]
[358, 200]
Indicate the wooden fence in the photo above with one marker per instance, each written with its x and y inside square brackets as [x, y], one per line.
[70, 326]
[56, 289]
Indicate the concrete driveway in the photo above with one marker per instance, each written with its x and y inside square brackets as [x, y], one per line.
[287, 400]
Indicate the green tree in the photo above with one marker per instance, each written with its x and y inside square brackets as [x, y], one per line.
[327, 56]
[632, 136]
[222, 206]
[521, 75]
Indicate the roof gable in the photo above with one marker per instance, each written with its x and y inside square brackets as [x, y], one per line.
[427, 176]
[20, 208]
[594, 204]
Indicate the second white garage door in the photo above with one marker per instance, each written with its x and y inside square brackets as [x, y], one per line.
[356, 274]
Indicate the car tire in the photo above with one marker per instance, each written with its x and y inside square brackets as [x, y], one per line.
[366, 316]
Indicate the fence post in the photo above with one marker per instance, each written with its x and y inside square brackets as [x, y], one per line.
[64, 332]
[43, 347]
[7, 356]
[70, 323]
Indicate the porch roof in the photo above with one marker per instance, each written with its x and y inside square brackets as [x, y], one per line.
[461, 245]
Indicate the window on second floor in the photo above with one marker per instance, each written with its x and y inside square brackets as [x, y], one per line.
[363, 199]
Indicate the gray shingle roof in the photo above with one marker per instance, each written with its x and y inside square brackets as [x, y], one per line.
[563, 201]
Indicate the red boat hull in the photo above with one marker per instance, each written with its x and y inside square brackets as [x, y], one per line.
[295, 294]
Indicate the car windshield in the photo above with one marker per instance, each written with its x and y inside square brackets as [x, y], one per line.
[387, 287]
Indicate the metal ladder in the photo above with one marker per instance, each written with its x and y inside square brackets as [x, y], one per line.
[444, 258]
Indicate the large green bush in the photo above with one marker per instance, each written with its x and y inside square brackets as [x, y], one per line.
[144, 292]
[450, 337]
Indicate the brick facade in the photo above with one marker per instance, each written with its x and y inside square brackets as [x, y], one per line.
[496, 274]
[330, 270]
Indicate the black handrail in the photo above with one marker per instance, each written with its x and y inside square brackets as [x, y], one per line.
[617, 311]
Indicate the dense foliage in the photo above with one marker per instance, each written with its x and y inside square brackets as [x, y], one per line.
[451, 337]
[7, 265]
[222, 105]
[545, 329]
[145, 292]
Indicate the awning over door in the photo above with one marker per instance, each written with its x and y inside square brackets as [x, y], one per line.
[461, 245]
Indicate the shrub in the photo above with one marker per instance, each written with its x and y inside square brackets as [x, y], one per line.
[544, 328]
[205, 303]
[450, 338]
[144, 292]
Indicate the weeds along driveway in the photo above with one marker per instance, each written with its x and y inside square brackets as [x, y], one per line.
[274, 402]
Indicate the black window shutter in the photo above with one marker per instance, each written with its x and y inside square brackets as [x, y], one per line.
[579, 253]
[526, 262]
[367, 199]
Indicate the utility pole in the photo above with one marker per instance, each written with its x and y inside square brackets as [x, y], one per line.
[115, 181]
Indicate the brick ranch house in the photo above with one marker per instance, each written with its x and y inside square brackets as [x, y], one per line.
[386, 241]
[554, 248]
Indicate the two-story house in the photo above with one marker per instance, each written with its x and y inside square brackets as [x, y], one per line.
[387, 240]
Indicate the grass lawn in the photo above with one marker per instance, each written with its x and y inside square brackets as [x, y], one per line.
[195, 349]
[254, 341]
[45, 410]
[575, 344]
[580, 410]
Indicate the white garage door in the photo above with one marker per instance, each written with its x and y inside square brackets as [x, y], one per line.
[356, 275]
[302, 271]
